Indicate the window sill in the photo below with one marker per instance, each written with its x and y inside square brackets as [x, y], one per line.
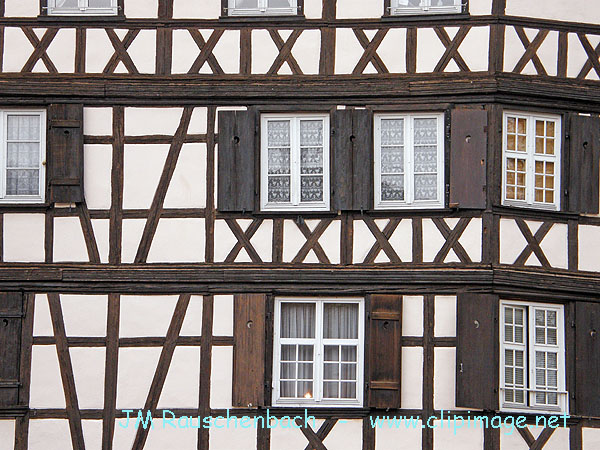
[81, 18]
[424, 17]
[263, 18]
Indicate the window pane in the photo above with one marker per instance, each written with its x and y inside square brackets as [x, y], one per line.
[392, 187]
[278, 132]
[348, 353]
[331, 371]
[392, 132]
[288, 353]
[279, 189]
[392, 160]
[288, 371]
[280, 3]
[410, 3]
[348, 390]
[332, 353]
[22, 182]
[311, 188]
[67, 4]
[340, 321]
[288, 389]
[305, 353]
[348, 371]
[311, 132]
[23, 128]
[100, 3]
[311, 160]
[279, 161]
[297, 320]
[246, 3]
[426, 187]
[305, 389]
[331, 389]
[23, 155]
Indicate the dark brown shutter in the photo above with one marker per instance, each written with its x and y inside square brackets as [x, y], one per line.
[352, 142]
[583, 165]
[384, 351]
[11, 311]
[477, 357]
[587, 366]
[236, 159]
[468, 155]
[249, 350]
[65, 153]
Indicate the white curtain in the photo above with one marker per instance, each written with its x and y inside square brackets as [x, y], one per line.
[298, 320]
[67, 3]
[23, 157]
[340, 321]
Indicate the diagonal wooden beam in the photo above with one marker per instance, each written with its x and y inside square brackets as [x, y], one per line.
[88, 232]
[66, 372]
[382, 240]
[243, 240]
[162, 368]
[312, 241]
[285, 52]
[315, 443]
[120, 53]
[533, 243]
[452, 49]
[452, 237]
[542, 439]
[531, 49]
[370, 53]
[526, 435]
[592, 53]
[206, 51]
[323, 431]
[40, 47]
[163, 186]
[111, 371]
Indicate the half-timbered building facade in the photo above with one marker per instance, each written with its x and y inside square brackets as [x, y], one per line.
[354, 210]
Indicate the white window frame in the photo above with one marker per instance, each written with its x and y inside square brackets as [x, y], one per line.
[529, 359]
[319, 343]
[82, 10]
[262, 9]
[409, 202]
[295, 203]
[426, 8]
[531, 158]
[18, 199]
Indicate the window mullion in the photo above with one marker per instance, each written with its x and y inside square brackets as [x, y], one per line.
[408, 158]
[4, 135]
[295, 165]
[319, 350]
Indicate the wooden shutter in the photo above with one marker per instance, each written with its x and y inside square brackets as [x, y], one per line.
[236, 170]
[587, 357]
[352, 159]
[65, 153]
[249, 350]
[477, 356]
[583, 164]
[468, 155]
[11, 311]
[384, 351]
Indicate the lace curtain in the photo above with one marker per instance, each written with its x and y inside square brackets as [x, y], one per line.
[392, 159]
[425, 155]
[311, 160]
[23, 155]
[278, 141]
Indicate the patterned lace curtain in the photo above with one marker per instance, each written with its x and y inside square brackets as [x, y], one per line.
[23, 155]
[425, 151]
[278, 137]
[392, 159]
[311, 160]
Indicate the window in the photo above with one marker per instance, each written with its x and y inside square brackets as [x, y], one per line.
[318, 352]
[82, 7]
[400, 7]
[531, 162]
[262, 7]
[409, 161]
[532, 353]
[294, 162]
[23, 155]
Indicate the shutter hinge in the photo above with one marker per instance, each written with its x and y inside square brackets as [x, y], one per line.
[566, 192]
[460, 368]
[572, 324]
[567, 136]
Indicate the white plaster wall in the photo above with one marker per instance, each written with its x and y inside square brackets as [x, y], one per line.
[178, 240]
[559, 439]
[223, 315]
[401, 240]
[401, 438]
[188, 185]
[181, 388]
[46, 385]
[88, 372]
[512, 241]
[185, 51]
[577, 56]
[146, 315]
[69, 243]
[99, 50]
[345, 435]
[221, 377]
[471, 239]
[589, 248]
[192, 322]
[198, 121]
[445, 316]
[432, 240]
[430, 49]
[142, 166]
[591, 438]
[444, 378]
[84, 315]
[192, 9]
[141, 8]
[7, 431]
[132, 233]
[412, 378]
[42, 323]
[555, 246]
[475, 49]
[21, 8]
[351, 9]
[313, 9]
[17, 48]
[148, 121]
[97, 121]
[466, 438]
[511, 440]
[293, 240]
[62, 50]
[101, 232]
[97, 166]
[347, 50]
[307, 50]
[227, 52]
[287, 438]
[163, 436]
[23, 238]
[49, 434]
[480, 7]
[264, 51]
[363, 240]
[392, 50]
[232, 437]
[136, 370]
[412, 315]
[572, 11]
[92, 433]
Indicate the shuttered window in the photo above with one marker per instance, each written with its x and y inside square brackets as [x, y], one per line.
[262, 7]
[23, 156]
[409, 161]
[318, 352]
[82, 7]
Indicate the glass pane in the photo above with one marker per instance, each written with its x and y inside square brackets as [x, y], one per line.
[305, 371]
[392, 160]
[305, 353]
[331, 389]
[23, 155]
[311, 131]
[540, 318]
[331, 371]
[22, 182]
[519, 314]
[426, 159]
[348, 390]
[348, 371]
[278, 131]
[392, 188]
[288, 371]
[246, 3]
[305, 389]
[100, 3]
[311, 160]
[279, 189]
[288, 388]
[332, 353]
[280, 3]
[425, 132]
[311, 188]
[392, 132]
[348, 353]
[340, 321]
[426, 187]
[67, 4]
[279, 161]
[23, 128]
[288, 353]
[298, 320]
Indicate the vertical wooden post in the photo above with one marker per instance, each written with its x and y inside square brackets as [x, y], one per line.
[164, 39]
